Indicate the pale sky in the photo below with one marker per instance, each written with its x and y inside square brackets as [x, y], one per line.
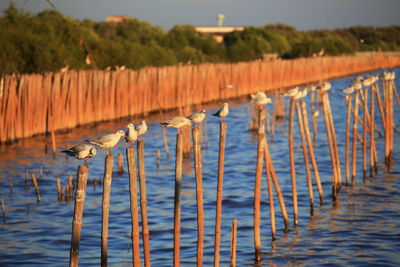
[303, 14]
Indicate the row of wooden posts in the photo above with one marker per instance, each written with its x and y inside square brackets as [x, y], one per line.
[35, 104]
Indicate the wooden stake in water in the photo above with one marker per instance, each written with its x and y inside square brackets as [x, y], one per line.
[305, 155]
[233, 243]
[365, 93]
[58, 183]
[3, 208]
[257, 184]
[106, 207]
[292, 164]
[120, 164]
[218, 211]
[177, 199]
[53, 143]
[80, 196]
[354, 147]
[35, 184]
[270, 191]
[130, 156]
[199, 193]
[347, 142]
[372, 133]
[143, 204]
[311, 150]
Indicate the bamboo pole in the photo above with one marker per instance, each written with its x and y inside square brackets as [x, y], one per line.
[270, 192]
[257, 184]
[311, 151]
[130, 157]
[364, 147]
[372, 134]
[109, 160]
[218, 210]
[305, 155]
[120, 163]
[3, 208]
[233, 243]
[177, 201]
[292, 163]
[354, 146]
[347, 153]
[58, 184]
[80, 196]
[143, 203]
[53, 144]
[35, 184]
[196, 132]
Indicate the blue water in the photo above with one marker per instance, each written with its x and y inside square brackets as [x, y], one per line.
[362, 228]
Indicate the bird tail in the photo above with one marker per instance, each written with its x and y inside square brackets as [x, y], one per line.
[68, 152]
[215, 114]
[164, 123]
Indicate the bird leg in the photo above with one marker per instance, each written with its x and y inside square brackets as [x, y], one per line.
[85, 162]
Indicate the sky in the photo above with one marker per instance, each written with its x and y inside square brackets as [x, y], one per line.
[303, 14]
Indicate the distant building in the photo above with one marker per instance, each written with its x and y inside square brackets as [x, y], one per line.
[218, 32]
[116, 19]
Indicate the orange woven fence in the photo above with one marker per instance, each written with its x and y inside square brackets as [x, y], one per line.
[40, 103]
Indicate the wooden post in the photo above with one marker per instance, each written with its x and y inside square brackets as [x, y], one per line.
[354, 147]
[364, 147]
[120, 164]
[257, 184]
[165, 140]
[372, 133]
[347, 154]
[130, 157]
[311, 150]
[35, 184]
[305, 155]
[199, 193]
[106, 207]
[80, 196]
[53, 143]
[233, 243]
[314, 117]
[177, 199]
[58, 183]
[143, 204]
[270, 192]
[292, 164]
[3, 208]
[218, 211]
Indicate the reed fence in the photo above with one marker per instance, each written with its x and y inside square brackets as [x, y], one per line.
[35, 104]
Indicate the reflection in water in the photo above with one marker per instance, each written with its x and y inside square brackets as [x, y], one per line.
[362, 227]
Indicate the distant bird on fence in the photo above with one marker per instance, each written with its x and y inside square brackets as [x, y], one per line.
[291, 92]
[108, 141]
[131, 134]
[141, 129]
[300, 94]
[325, 86]
[82, 151]
[222, 112]
[348, 90]
[177, 122]
[197, 117]
[260, 99]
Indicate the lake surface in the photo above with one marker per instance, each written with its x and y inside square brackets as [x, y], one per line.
[362, 228]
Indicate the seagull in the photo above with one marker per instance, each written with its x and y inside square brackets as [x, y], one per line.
[260, 99]
[357, 86]
[197, 117]
[292, 92]
[82, 151]
[325, 86]
[141, 129]
[108, 141]
[222, 112]
[368, 81]
[131, 134]
[300, 94]
[348, 90]
[177, 122]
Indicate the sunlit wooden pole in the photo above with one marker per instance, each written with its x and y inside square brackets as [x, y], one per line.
[106, 208]
[292, 163]
[177, 201]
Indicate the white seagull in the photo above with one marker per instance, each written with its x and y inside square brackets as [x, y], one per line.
[260, 98]
[141, 129]
[222, 112]
[131, 134]
[108, 141]
[197, 117]
[291, 92]
[82, 151]
[177, 122]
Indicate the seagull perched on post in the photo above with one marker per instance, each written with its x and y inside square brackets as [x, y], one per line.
[141, 129]
[260, 99]
[131, 134]
[197, 117]
[108, 141]
[82, 151]
[177, 122]
[222, 112]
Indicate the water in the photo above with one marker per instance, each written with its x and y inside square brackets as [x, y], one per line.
[362, 228]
